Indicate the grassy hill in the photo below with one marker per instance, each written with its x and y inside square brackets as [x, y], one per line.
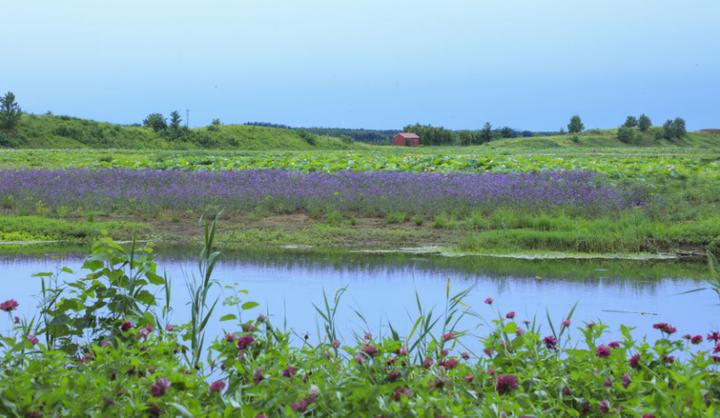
[48, 131]
[607, 138]
[61, 132]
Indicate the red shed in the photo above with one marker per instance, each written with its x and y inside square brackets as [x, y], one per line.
[408, 139]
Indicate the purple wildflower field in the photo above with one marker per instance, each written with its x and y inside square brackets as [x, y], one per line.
[368, 193]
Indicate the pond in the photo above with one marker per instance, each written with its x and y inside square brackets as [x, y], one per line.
[383, 288]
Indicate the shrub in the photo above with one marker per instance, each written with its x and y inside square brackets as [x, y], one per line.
[214, 125]
[307, 137]
[628, 135]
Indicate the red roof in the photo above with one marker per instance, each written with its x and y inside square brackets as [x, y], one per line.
[408, 135]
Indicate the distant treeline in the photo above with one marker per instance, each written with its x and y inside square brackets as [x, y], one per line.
[431, 135]
[373, 136]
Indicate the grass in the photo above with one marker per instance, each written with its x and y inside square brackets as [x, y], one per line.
[60, 132]
[39, 228]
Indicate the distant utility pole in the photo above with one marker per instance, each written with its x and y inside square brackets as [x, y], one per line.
[187, 118]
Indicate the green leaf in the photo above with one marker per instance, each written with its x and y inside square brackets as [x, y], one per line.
[146, 297]
[155, 278]
[181, 409]
[228, 317]
[249, 305]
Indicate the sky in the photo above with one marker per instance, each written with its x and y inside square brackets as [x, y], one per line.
[528, 64]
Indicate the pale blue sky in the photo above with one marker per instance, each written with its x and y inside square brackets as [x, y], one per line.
[529, 64]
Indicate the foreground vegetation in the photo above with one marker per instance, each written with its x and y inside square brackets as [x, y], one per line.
[104, 345]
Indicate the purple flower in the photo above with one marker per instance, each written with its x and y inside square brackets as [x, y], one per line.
[602, 350]
[300, 406]
[489, 301]
[402, 391]
[427, 362]
[550, 342]
[33, 340]
[665, 327]
[604, 406]
[126, 325]
[634, 361]
[506, 383]
[510, 315]
[614, 344]
[393, 376]
[565, 323]
[258, 376]
[245, 341]
[289, 372]
[449, 364]
[217, 386]
[145, 331]
[159, 387]
[336, 343]
[370, 350]
[9, 305]
[448, 336]
[626, 380]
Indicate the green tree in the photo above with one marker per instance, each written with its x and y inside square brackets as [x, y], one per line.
[468, 137]
[644, 122]
[506, 132]
[575, 126]
[155, 121]
[10, 112]
[667, 129]
[678, 127]
[175, 128]
[630, 122]
[431, 135]
[486, 134]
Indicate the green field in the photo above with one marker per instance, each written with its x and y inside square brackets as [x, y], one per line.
[681, 176]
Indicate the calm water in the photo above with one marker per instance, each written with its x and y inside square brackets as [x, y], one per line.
[383, 289]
